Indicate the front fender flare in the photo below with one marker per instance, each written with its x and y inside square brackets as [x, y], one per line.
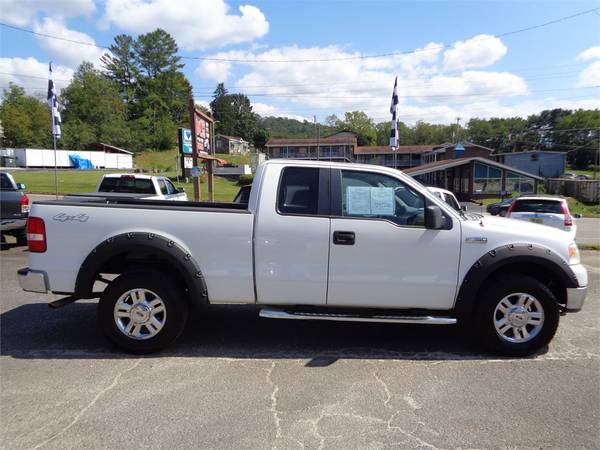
[501, 258]
[140, 243]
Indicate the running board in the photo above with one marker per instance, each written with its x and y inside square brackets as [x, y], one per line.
[281, 314]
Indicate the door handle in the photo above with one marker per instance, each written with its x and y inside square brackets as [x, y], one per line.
[343, 237]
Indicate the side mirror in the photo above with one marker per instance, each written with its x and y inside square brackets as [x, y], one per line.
[434, 220]
[20, 186]
[463, 207]
[180, 190]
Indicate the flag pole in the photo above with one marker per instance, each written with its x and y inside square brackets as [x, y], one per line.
[55, 115]
[55, 166]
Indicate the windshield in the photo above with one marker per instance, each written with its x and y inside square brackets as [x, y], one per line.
[127, 185]
[539, 206]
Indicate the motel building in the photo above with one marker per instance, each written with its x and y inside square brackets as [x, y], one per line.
[469, 170]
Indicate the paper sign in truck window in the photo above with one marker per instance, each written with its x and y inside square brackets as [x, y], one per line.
[382, 201]
[370, 201]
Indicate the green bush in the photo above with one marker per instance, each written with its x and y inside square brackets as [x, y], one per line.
[245, 179]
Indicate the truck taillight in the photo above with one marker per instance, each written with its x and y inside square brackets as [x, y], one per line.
[510, 209]
[24, 204]
[36, 235]
[567, 213]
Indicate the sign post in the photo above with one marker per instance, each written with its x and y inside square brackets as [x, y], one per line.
[201, 125]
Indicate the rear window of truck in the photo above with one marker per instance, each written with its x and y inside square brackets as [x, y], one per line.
[299, 191]
[5, 183]
[539, 206]
[127, 185]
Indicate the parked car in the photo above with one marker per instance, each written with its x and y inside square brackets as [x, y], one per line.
[14, 208]
[149, 187]
[500, 208]
[550, 211]
[243, 195]
[568, 175]
[317, 241]
[583, 176]
[447, 197]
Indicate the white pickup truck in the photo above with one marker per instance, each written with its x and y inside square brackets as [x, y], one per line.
[318, 241]
[149, 187]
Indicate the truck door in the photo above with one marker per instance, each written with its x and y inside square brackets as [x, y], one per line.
[381, 255]
[291, 241]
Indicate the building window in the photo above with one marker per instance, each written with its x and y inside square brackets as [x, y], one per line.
[519, 183]
[487, 180]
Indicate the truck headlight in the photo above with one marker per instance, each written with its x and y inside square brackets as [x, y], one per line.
[574, 257]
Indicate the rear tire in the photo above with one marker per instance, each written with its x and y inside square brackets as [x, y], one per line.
[143, 311]
[518, 316]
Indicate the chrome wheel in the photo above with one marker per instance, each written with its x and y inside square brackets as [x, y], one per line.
[518, 317]
[140, 314]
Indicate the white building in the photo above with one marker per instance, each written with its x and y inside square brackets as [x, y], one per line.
[103, 156]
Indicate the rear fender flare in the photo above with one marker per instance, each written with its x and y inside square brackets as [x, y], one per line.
[132, 243]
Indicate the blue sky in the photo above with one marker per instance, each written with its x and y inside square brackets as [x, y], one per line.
[460, 69]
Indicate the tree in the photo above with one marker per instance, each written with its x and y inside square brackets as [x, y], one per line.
[405, 134]
[156, 53]
[25, 119]
[500, 134]
[261, 137]
[362, 125]
[233, 113]
[121, 66]
[578, 134]
[93, 110]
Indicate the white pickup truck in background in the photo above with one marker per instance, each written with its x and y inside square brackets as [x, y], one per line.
[317, 240]
[148, 187]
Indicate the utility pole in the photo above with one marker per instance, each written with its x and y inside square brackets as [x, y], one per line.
[455, 133]
[316, 135]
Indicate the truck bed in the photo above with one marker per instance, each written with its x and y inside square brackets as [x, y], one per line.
[115, 200]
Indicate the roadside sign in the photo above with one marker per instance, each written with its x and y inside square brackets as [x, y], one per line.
[184, 139]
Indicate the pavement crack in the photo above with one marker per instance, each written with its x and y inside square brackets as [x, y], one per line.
[411, 402]
[273, 407]
[97, 397]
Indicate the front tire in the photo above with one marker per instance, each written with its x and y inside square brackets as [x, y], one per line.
[143, 311]
[518, 316]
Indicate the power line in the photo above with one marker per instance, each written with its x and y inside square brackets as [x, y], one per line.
[207, 90]
[327, 97]
[345, 58]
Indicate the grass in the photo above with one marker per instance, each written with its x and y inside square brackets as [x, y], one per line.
[591, 173]
[74, 181]
[589, 246]
[168, 160]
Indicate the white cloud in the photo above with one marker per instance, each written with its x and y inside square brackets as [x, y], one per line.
[32, 75]
[273, 111]
[196, 26]
[214, 70]
[359, 83]
[480, 51]
[22, 12]
[590, 76]
[590, 53]
[68, 53]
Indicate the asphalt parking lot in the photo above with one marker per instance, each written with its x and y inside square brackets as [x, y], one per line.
[237, 381]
